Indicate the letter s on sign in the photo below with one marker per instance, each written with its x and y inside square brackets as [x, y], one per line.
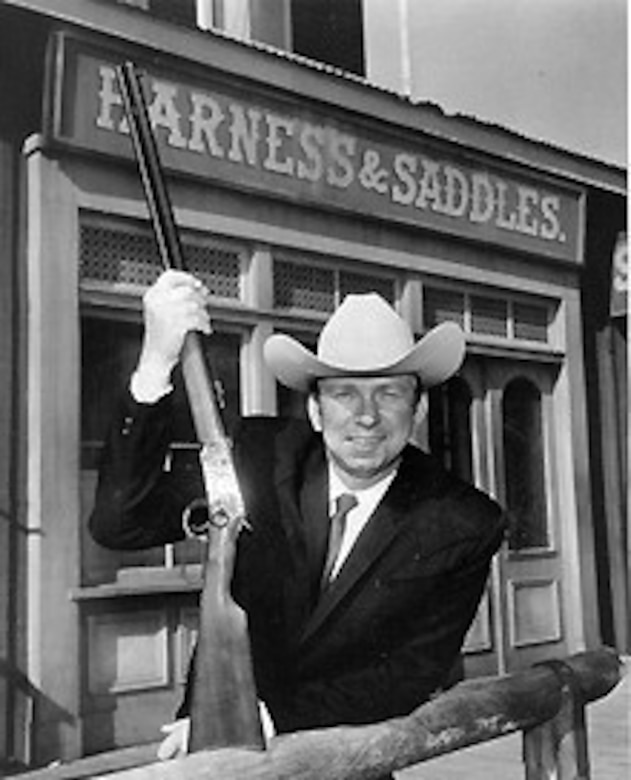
[550, 227]
[404, 167]
[341, 148]
[311, 141]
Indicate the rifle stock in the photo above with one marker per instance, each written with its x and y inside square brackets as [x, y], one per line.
[224, 708]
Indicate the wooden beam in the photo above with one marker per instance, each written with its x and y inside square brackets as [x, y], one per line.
[472, 712]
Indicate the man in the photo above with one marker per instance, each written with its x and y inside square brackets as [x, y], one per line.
[352, 636]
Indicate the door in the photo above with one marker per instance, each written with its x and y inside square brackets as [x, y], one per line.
[493, 425]
[524, 479]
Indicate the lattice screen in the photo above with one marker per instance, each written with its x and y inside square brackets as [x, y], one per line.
[487, 315]
[530, 322]
[318, 288]
[443, 305]
[130, 256]
[351, 282]
[298, 286]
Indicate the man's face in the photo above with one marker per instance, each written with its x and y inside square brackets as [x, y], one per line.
[365, 423]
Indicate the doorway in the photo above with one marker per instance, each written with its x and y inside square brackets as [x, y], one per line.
[493, 425]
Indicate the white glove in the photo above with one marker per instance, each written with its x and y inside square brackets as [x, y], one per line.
[269, 730]
[175, 744]
[175, 304]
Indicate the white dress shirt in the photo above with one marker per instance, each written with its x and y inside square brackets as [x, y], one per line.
[358, 516]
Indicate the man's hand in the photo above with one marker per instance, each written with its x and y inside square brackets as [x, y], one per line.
[174, 305]
[175, 744]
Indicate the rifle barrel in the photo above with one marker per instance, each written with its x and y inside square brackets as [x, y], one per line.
[224, 707]
[197, 375]
[158, 201]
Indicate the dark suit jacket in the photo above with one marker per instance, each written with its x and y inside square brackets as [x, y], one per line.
[388, 630]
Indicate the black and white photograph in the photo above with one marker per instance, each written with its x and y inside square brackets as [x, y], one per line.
[313, 390]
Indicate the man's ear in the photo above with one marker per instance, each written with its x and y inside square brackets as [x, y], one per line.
[313, 411]
[422, 407]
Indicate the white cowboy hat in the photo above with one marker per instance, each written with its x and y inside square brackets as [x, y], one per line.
[366, 337]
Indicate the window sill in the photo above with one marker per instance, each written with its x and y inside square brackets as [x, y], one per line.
[144, 581]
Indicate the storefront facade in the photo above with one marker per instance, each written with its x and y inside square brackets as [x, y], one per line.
[292, 187]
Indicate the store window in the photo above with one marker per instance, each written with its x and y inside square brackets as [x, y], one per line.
[524, 459]
[449, 426]
[109, 352]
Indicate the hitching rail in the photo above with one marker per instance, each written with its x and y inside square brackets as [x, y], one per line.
[546, 702]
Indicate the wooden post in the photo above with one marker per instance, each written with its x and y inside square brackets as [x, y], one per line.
[557, 748]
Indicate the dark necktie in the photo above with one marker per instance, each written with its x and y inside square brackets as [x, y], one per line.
[343, 505]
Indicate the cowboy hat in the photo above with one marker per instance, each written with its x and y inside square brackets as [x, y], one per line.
[366, 337]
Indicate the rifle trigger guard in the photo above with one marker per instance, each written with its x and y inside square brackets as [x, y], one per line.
[192, 522]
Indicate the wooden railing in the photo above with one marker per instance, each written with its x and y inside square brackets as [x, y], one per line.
[546, 702]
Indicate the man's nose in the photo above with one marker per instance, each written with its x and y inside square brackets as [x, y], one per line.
[368, 410]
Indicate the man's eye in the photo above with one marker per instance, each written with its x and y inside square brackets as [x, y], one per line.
[343, 396]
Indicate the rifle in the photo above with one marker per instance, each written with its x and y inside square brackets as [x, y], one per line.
[224, 708]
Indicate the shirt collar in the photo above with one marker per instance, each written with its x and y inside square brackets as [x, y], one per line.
[337, 487]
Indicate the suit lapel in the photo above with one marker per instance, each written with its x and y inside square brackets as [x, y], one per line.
[300, 477]
[412, 485]
[374, 540]
[296, 446]
[315, 513]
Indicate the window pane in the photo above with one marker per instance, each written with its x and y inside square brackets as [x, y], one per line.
[329, 31]
[222, 352]
[109, 354]
[127, 253]
[442, 306]
[523, 464]
[178, 11]
[362, 284]
[298, 286]
[450, 426]
[531, 322]
[489, 316]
